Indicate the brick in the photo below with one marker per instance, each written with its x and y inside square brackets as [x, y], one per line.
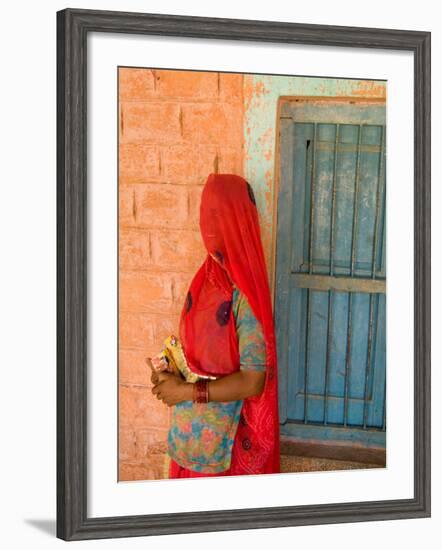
[132, 368]
[138, 163]
[150, 442]
[135, 470]
[181, 282]
[132, 360]
[187, 163]
[166, 325]
[194, 206]
[187, 84]
[144, 291]
[150, 122]
[230, 161]
[134, 249]
[160, 205]
[136, 331]
[139, 408]
[126, 443]
[179, 250]
[136, 84]
[213, 123]
[126, 205]
[231, 87]
[144, 333]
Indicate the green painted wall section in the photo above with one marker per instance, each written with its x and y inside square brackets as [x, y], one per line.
[261, 94]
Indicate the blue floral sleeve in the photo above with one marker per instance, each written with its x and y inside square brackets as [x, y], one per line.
[251, 342]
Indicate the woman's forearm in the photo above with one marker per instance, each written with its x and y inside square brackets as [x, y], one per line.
[233, 387]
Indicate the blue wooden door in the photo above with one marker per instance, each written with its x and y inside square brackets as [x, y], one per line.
[330, 271]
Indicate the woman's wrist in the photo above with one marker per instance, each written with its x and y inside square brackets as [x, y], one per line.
[201, 391]
[187, 391]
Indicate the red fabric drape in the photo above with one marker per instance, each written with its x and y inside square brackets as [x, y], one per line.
[230, 230]
[177, 472]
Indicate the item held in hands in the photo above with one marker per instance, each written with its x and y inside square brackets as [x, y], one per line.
[172, 352]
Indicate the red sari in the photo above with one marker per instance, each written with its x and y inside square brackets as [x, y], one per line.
[230, 230]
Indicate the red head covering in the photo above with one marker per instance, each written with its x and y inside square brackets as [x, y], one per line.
[230, 230]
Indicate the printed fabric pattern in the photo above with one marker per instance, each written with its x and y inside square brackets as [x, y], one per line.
[201, 435]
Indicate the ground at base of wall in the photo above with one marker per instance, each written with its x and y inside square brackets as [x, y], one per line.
[291, 464]
[153, 466]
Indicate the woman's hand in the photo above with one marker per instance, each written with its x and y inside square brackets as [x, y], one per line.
[171, 389]
[157, 365]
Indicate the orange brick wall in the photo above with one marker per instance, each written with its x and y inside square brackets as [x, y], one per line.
[175, 127]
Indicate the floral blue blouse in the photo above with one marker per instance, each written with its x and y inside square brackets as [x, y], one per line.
[201, 435]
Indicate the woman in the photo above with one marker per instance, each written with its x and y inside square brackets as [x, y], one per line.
[228, 425]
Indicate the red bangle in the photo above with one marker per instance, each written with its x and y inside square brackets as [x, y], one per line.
[201, 391]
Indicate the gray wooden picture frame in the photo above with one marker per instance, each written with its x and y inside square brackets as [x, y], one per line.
[73, 27]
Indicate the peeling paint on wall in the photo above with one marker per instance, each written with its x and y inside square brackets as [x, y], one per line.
[261, 95]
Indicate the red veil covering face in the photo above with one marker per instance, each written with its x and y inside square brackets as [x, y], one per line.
[230, 230]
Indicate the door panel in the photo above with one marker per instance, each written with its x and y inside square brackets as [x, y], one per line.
[330, 271]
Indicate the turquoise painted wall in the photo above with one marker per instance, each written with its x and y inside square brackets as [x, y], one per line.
[261, 95]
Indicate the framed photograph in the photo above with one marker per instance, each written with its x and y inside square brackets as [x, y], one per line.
[243, 274]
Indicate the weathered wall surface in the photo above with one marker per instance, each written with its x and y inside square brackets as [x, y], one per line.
[175, 128]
